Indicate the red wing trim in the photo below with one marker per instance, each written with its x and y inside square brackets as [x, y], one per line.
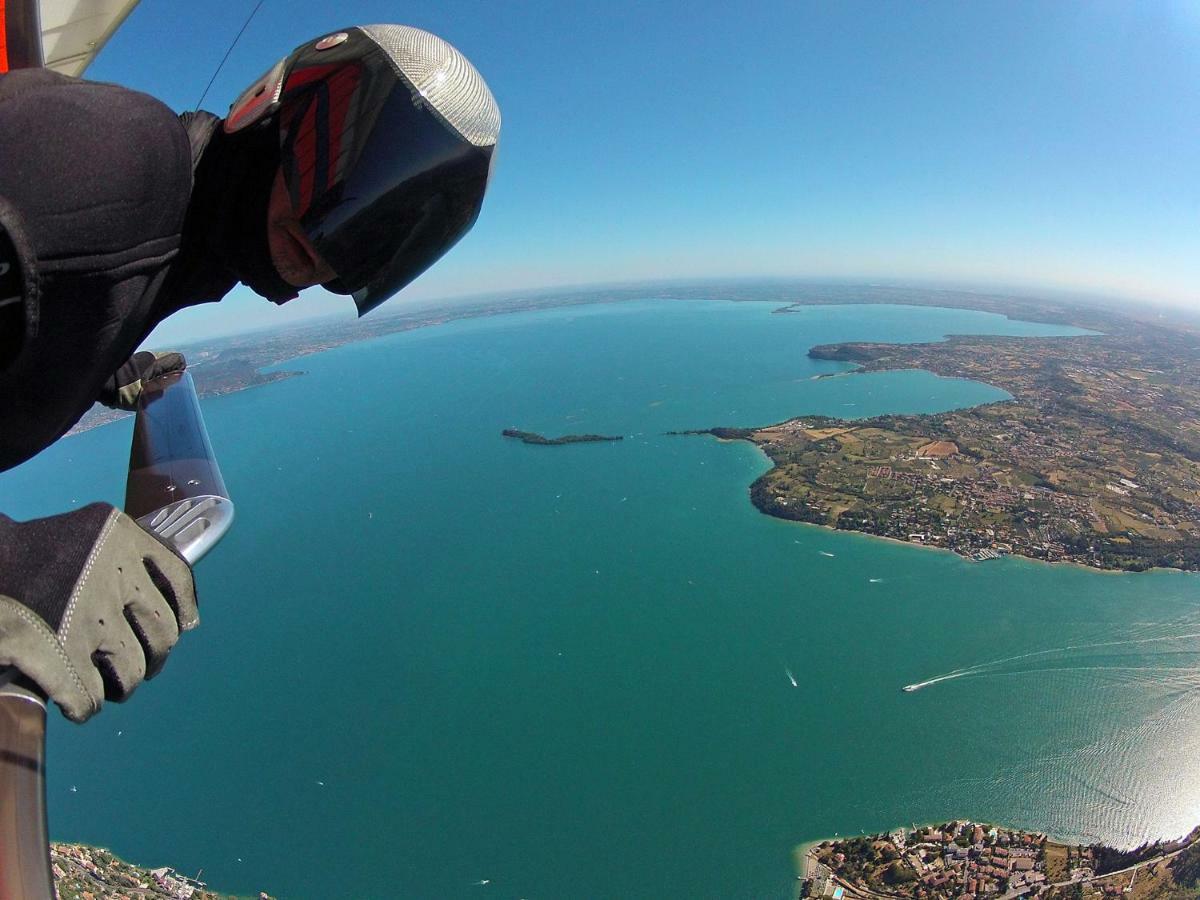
[3, 40]
[20, 35]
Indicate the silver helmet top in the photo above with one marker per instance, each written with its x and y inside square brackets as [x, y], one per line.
[444, 78]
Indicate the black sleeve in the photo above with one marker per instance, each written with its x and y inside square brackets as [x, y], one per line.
[96, 180]
[99, 174]
[18, 287]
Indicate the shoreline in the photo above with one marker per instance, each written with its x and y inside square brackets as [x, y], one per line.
[883, 537]
[81, 869]
[101, 416]
[1013, 556]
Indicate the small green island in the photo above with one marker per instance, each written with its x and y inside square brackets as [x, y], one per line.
[532, 437]
[969, 860]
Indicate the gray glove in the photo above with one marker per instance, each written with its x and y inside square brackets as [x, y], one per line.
[90, 604]
[125, 387]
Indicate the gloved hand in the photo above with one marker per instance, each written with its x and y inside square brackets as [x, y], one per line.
[123, 389]
[90, 604]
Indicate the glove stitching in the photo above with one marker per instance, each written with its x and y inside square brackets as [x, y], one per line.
[40, 627]
[87, 571]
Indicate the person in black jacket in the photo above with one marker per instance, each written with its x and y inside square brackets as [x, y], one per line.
[355, 163]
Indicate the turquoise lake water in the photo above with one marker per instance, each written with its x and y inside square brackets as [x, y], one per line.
[565, 669]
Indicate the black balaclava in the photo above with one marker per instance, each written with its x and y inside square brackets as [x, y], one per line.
[225, 236]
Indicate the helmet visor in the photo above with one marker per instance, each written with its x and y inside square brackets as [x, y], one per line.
[383, 186]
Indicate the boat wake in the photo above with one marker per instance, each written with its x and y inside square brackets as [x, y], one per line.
[910, 688]
[993, 667]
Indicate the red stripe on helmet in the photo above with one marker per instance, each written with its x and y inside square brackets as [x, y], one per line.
[326, 91]
[342, 89]
[308, 75]
[304, 150]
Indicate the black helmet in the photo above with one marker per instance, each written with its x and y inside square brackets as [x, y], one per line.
[386, 137]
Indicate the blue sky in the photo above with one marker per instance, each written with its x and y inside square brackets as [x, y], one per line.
[1017, 143]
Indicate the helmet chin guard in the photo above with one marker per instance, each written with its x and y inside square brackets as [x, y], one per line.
[387, 136]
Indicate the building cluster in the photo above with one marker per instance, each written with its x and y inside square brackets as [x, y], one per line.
[91, 873]
[973, 861]
[961, 860]
[988, 518]
[88, 872]
[988, 862]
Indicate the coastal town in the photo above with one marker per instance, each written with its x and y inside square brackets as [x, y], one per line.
[93, 873]
[968, 860]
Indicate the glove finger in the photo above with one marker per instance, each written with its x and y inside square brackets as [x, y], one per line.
[153, 623]
[164, 364]
[82, 707]
[173, 579]
[120, 661]
[123, 389]
[27, 643]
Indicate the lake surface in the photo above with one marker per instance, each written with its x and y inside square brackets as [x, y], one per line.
[432, 656]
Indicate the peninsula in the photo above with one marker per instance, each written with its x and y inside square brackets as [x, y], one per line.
[970, 860]
[1095, 460]
[532, 437]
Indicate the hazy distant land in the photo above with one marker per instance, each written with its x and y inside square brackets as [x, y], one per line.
[226, 365]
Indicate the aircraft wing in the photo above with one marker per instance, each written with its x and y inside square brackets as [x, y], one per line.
[63, 35]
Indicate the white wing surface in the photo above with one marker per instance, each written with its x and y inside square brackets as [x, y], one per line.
[74, 31]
